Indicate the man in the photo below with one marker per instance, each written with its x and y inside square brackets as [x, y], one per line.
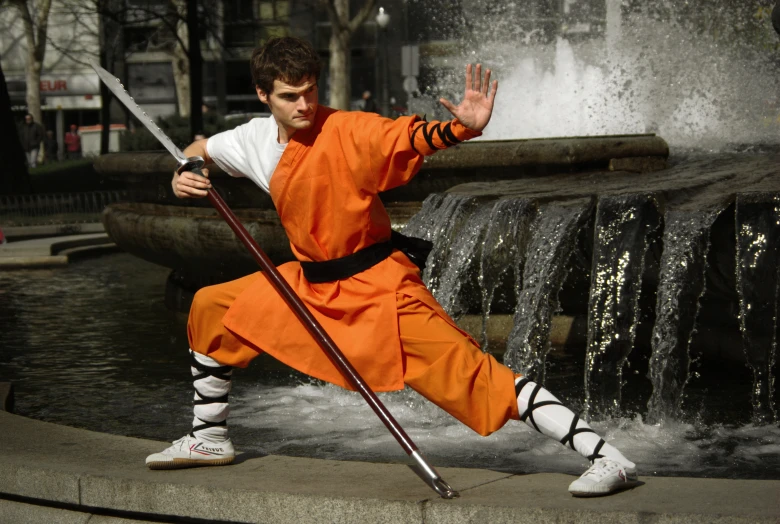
[31, 135]
[324, 170]
[369, 104]
[73, 143]
[50, 147]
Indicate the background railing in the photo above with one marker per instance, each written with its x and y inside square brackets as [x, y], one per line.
[55, 208]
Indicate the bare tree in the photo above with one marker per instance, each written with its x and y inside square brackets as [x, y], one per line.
[172, 21]
[180, 57]
[35, 16]
[342, 29]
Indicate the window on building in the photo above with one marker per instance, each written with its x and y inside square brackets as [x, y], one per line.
[248, 23]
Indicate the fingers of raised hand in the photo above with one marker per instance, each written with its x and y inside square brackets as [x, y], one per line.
[486, 83]
[475, 82]
[494, 90]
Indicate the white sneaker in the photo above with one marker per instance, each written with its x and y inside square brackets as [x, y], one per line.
[189, 452]
[605, 476]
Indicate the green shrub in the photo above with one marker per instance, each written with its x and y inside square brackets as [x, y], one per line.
[63, 166]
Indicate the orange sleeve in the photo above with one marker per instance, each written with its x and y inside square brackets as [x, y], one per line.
[429, 137]
[382, 153]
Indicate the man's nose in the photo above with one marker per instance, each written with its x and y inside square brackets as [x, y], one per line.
[302, 104]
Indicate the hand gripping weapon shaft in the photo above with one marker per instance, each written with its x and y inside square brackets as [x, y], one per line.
[194, 164]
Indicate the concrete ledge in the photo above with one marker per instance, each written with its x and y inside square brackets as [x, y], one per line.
[51, 230]
[56, 473]
[52, 251]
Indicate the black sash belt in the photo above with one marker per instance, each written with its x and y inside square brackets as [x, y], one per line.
[416, 249]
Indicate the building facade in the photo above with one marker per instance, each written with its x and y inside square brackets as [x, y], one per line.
[143, 39]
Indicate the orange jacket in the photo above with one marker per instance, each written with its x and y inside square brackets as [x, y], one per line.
[325, 189]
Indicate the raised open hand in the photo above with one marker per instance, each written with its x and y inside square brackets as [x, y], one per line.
[476, 108]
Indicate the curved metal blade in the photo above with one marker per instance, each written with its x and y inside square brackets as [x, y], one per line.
[116, 87]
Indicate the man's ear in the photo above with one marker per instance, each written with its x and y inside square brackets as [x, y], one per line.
[262, 95]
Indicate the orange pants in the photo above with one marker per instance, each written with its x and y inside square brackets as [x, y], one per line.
[439, 362]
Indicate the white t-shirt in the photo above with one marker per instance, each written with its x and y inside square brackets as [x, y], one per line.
[251, 150]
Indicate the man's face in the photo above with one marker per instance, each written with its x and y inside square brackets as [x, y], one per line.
[27, 118]
[293, 106]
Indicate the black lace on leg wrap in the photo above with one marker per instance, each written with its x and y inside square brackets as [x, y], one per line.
[222, 373]
[573, 430]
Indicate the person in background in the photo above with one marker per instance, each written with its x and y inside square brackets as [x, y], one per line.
[3, 240]
[31, 134]
[73, 143]
[369, 104]
[50, 147]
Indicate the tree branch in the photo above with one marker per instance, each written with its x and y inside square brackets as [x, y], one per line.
[42, 27]
[362, 15]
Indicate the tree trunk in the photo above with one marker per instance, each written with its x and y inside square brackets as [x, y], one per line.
[180, 62]
[33, 95]
[111, 20]
[342, 29]
[14, 177]
[105, 58]
[340, 89]
[35, 35]
[219, 65]
[196, 69]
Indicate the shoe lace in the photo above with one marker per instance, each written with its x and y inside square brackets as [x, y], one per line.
[180, 443]
[601, 468]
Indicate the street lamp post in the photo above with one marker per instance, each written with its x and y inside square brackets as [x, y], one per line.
[383, 20]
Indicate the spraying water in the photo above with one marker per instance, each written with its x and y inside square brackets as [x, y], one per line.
[702, 77]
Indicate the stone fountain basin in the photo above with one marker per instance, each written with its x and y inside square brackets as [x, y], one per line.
[197, 241]
[189, 237]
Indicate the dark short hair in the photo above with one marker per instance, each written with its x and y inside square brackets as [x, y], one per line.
[286, 58]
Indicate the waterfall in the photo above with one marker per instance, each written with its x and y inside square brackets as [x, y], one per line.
[553, 234]
[498, 252]
[448, 221]
[623, 229]
[758, 238]
[503, 255]
[686, 240]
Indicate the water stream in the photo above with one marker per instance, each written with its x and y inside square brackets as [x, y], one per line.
[758, 238]
[624, 228]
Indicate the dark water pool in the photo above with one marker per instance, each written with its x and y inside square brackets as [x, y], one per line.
[92, 345]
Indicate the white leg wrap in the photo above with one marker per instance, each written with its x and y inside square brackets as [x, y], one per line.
[212, 386]
[542, 411]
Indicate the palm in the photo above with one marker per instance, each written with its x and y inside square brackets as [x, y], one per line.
[476, 108]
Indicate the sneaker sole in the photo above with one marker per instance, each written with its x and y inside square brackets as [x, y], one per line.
[188, 463]
[621, 487]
